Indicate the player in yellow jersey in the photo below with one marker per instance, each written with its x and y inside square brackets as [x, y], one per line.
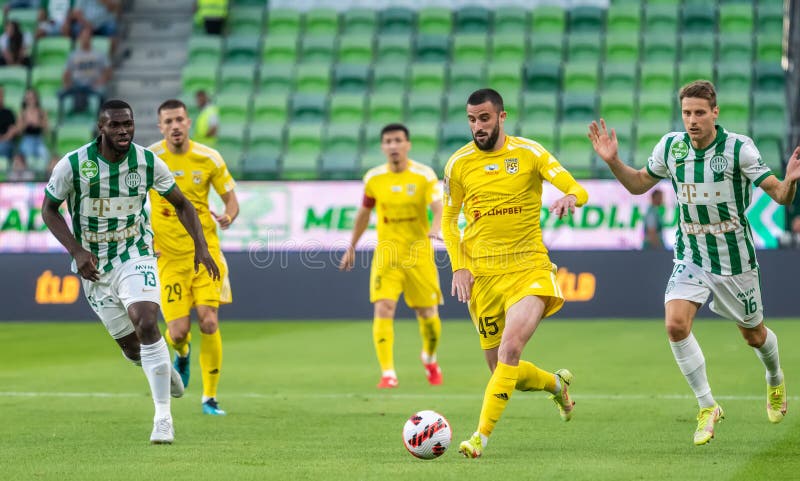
[500, 265]
[196, 168]
[402, 190]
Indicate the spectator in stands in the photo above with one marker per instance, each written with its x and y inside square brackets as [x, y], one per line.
[87, 73]
[211, 14]
[33, 128]
[207, 123]
[20, 171]
[53, 16]
[100, 16]
[15, 45]
[18, 4]
[7, 127]
[653, 222]
[790, 239]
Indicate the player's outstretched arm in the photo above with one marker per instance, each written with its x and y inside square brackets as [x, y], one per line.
[607, 148]
[85, 261]
[783, 192]
[188, 217]
[359, 227]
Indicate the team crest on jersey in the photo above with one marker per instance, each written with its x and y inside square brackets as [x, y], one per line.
[411, 189]
[133, 179]
[492, 169]
[89, 169]
[718, 164]
[197, 176]
[679, 150]
[512, 166]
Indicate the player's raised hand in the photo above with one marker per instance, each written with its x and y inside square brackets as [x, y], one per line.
[204, 257]
[564, 205]
[86, 262]
[793, 166]
[604, 144]
[462, 285]
[223, 220]
[348, 259]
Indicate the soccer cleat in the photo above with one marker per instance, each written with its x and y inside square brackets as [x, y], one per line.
[776, 402]
[181, 365]
[211, 407]
[163, 433]
[175, 383]
[562, 399]
[387, 382]
[706, 419]
[472, 447]
[433, 373]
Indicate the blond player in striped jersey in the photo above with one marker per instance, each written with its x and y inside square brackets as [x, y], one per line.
[196, 168]
[500, 264]
[105, 184]
[712, 172]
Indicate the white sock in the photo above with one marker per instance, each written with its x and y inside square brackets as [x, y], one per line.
[389, 373]
[427, 358]
[156, 366]
[693, 366]
[768, 353]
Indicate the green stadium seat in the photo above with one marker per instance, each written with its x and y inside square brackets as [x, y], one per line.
[648, 134]
[237, 78]
[261, 164]
[699, 18]
[584, 47]
[50, 105]
[465, 78]
[279, 49]
[233, 106]
[432, 48]
[241, 49]
[423, 107]
[470, 48]
[546, 47]
[455, 107]
[309, 108]
[657, 76]
[231, 139]
[341, 149]
[276, 78]
[770, 138]
[303, 148]
[659, 47]
[769, 76]
[385, 108]
[768, 104]
[574, 149]
[101, 43]
[770, 17]
[47, 80]
[538, 107]
[769, 47]
[622, 47]
[393, 49]
[390, 78]
[424, 140]
[360, 21]
[619, 76]
[283, 21]
[71, 136]
[734, 109]
[26, 17]
[312, 78]
[351, 78]
[347, 108]
[623, 19]
[690, 71]
[317, 49]
[581, 77]
[506, 78]
[455, 134]
[542, 77]
[735, 47]
[507, 48]
[266, 137]
[269, 108]
[396, 20]
[541, 131]
[548, 18]
[586, 18]
[427, 78]
[245, 20]
[697, 47]
[14, 79]
[472, 18]
[202, 49]
[510, 20]
[734, 77]
[54, 51]
[654, 106]
[624, 131]
[736, 18]
[355, 49]
[435, 21]
[618, 107]
[578, 107]
[661, 19]
[321, 21]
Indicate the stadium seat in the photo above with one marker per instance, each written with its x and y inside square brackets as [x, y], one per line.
[455, 107]
[655, 106]
[736, 18]
[734, 109]
[347, 108]
[231, 139]
[283, 21]
[355, 49]
[321, 21]
[541, 131]
[623, 19]
[396, 20]
[546, 48]
[648, 134]
[241, 49]
[26, 17]
[360, 21]
[657, 76]
[661, 19]
[314, 78]
[584, 47]
[698, 18]
[423, 107]
[581, 77]
[465, 78]
[432, 48]
[47, 80]
[269, 108]
[697, 47]
[617, 107]
[768, 105]
[233, 106]
[303, 148]
[424, 139]
[506, 78]
[574, 148]
[434, 21]
[351, 78]
[393, 49]
[690, 71]
[454, 135]
[542, 77]
[472, 18]
[622, 47]
[70, 136]
[266, 137]
[770, 17]
[538, 107]
[385, 108]
[309, 108]
[470, 48]
[510, 20]
[54, 51]
[578, 107]
[548, 18]
[624, 131]
[202, 49]
[236, 78]
[735, 47]
[279, 49]
[317, 49]
[507, 48]
[341, 149]
[276, 78]
[769, 76]
[619, 76]
[245, 20]
[427, 78]
[769, 137]
[260, 164]
[659, 47]
[769, 47]
[390, 78]
[734, 77]
[14, 79]
[586, 18]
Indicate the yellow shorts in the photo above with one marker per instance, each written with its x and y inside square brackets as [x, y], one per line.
[419, 282]
[182, 288]
[493, 295]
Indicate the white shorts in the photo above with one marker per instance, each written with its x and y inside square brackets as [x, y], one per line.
[110, 296]
[736, 297]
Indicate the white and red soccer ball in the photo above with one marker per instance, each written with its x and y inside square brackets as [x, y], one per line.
[427, 434]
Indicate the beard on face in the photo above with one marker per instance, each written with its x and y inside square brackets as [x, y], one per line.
[488, 144]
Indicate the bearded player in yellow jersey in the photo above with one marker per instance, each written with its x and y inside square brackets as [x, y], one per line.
[500, 265]
[402, 190]
[196, 169]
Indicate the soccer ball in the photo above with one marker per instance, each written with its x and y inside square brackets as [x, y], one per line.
[427, 434]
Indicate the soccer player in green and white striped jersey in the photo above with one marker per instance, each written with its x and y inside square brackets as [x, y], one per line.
[712, 172]
[105, 184]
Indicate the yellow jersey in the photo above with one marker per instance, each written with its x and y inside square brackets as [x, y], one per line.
[501, 195]
[195, 172]
[401, 200]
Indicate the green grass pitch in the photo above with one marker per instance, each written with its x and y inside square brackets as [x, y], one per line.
[302, 404]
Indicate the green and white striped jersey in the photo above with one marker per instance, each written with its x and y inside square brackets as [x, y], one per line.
[106, 200]
[714, 187]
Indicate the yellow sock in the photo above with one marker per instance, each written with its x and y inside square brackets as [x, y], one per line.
[383, 338]
[430, 329]
[498, 392]
[210, 362]
[182, 348]
[531, 378]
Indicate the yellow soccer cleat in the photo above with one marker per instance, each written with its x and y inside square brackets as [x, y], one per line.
[471, 448]
[562, 399]
[706, 419]
[776, 402]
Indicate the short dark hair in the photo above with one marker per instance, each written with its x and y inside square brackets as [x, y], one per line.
[395, 127]
[702, 89]
[171, 104]
[486, 95]
[114, 104]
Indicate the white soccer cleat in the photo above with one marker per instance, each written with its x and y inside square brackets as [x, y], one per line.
[176, 388]
[163, 433]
